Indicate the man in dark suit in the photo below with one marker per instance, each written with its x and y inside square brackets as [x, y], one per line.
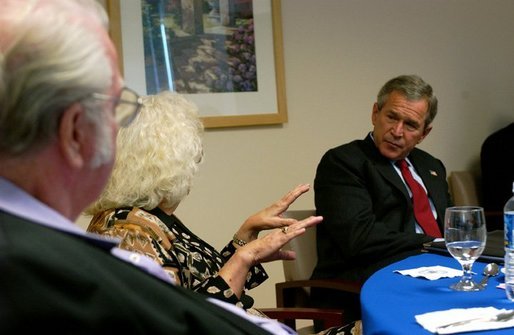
[369, 221]
[61, 102]
[497, 163]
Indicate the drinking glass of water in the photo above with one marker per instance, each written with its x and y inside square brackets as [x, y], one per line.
[465, 235]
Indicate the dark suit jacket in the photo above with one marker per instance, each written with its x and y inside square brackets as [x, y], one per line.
[368, 217]
[63, 284]
[497, 163]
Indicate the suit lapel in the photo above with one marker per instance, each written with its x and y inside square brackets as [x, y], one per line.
[384, 166]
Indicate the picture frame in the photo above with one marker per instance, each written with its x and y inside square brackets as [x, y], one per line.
[265, 105]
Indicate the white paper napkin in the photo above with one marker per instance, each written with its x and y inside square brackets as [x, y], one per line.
[432, 272]
[433, 320]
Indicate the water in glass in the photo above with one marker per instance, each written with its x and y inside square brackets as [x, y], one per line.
[465, 236]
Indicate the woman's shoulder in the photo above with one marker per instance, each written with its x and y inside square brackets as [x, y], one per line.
[132, 220]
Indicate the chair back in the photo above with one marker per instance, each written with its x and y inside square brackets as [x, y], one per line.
[304, 246]
[463, 188]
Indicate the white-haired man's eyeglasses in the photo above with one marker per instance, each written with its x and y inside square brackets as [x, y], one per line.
[126, 107]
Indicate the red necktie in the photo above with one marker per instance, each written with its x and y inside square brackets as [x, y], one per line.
[422, 210]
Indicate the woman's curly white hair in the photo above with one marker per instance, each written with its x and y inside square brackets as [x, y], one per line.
[157, 156]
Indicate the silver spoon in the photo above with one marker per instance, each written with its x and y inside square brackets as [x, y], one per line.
[490, 270]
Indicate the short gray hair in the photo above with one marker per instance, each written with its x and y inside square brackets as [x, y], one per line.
[52, 54]
[413, 88]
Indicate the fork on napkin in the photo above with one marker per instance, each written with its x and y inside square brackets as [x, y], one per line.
[460, 320]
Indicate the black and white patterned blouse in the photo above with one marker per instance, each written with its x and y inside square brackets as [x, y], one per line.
[190, 261]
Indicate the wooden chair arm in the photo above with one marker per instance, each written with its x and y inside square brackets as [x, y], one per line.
[289, 315]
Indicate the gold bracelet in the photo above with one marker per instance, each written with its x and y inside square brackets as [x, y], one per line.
[239, 242]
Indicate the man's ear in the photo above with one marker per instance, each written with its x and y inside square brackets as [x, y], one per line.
[73, 135]
[374, 113]
[425, 134]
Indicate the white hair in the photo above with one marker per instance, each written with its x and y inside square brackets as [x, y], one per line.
[157, 156]
[52, 54]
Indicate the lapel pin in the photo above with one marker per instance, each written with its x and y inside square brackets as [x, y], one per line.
[433, 173]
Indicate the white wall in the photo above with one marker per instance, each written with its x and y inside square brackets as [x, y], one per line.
[337, 55]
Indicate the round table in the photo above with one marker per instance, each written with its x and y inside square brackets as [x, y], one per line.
[390, 301]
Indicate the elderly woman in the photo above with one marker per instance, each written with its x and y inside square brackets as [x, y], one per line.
[157, 158]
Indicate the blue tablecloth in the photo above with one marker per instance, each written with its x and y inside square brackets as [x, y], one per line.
[390, 300]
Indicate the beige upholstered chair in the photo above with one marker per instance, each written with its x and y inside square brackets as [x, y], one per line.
[305, 248]
[465, 191]
[463, 188]
[295, 290]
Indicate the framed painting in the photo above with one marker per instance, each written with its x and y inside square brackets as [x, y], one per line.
[224, 55]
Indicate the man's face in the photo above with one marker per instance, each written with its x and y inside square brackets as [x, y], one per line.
[106, 132]
[104, 144]
[104, 148]
[399, 126]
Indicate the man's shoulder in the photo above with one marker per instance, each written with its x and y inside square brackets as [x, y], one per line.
[351, 148]
[352, 155]
[11, 224]
[500, 136]
[420, 153]
[421, 158]
[47, 260]
[22, 236]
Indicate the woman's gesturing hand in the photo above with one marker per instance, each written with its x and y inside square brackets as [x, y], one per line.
[271, 216]
[269, 247]
[265, 249]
